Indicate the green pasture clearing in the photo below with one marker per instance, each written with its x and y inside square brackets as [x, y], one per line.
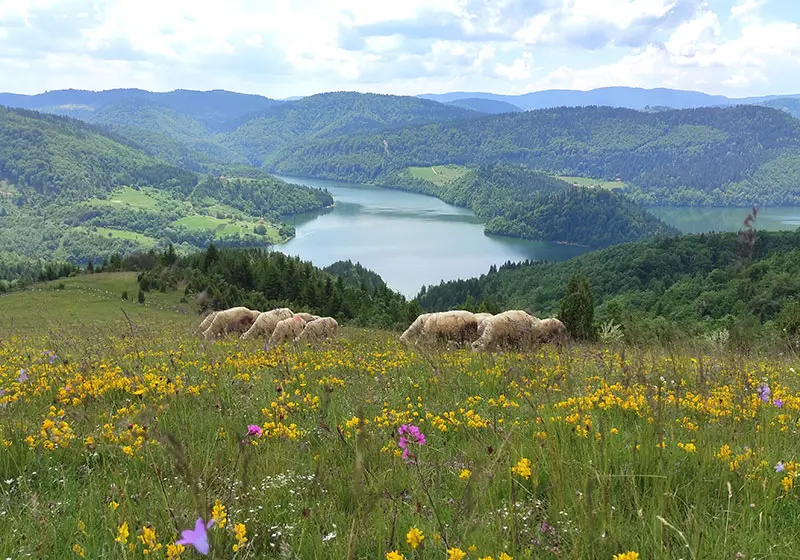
[438, 174]
[224, 227]
[588, 182]
[140, 238]
[87, 299]
[143, 199]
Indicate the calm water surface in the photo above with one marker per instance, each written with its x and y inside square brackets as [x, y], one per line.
[701, 220]
[409, 239]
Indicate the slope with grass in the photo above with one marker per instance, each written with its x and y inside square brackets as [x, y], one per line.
[147, 428]
[731, 156]
[72, 191]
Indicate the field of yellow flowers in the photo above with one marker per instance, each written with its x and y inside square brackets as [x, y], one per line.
[154, 444]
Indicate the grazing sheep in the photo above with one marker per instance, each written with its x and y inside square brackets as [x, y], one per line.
[413, 332]
[307, 317]
[318, 330]
[206, 322]
[512, 329]
[234, 319]
[450, 326]
[481, 318]
[265, 323]
[552, 330]
[285, 330]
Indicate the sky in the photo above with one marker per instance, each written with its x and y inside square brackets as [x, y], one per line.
[282, 48]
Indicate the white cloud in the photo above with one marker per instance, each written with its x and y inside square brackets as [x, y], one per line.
[286, 47]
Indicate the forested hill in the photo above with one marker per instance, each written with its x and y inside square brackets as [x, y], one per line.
[70, 191]
[737, 155]
[699, 282]
[517, 202]
[57, 157]
[211, 108]
[333, 114]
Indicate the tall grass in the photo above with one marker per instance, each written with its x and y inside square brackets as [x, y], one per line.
[668, 454]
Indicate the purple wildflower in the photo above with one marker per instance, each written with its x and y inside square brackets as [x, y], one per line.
[778, 403]
[22, 377]
[198, 537]
[409, 434]
[763, 392]
[780, 467]
[254, 430]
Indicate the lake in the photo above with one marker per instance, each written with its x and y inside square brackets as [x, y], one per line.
[409, 239]
[702, 220]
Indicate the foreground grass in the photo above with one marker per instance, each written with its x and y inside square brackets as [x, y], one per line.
[113, 440]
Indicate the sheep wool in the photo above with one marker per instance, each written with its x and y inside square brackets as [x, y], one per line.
[234, 319]
[552, 330]
[265, 323]
[450, 326]
[481, 318]
[307, 317]
[414, 331]
[206, 322]
[318, 330]
[512, 329]
[286, 330]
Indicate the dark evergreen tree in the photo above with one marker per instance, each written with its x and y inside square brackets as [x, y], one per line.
[577, 308]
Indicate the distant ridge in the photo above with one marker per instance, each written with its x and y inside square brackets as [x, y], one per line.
[625, 97]
[489, 106]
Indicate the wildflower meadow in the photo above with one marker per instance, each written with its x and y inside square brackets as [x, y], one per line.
[147, 442]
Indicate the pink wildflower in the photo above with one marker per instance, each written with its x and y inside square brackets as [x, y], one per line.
[409, 434]
[254, 430]
[198, 537]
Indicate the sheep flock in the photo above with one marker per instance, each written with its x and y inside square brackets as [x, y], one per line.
[276, 326]
[512, 330]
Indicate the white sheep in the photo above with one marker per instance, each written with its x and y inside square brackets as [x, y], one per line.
[265, 323]
[414, 331]
[552, 330]
[286, 330]
[513, 329]
[318, 330]
[307, 317]
[234, 319]
[450, 326]
[206, 322]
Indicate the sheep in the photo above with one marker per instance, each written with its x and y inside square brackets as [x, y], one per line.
[233, 319]
[481, 318]
[414, 331]
[307, 317]
[318, 330]
[206, 322]
[552, 330]
[285, 330]
[453, 326]
[515, 329]
[265, 323]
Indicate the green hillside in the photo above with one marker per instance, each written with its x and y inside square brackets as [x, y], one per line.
[711, 156]
[789, 104]
[333, 114]
[691, 283]
[517, 202]
[74, 192]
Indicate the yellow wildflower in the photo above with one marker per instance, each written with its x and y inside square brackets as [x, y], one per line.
[79, 550]
[472, 548]
[522, 468]
[240, 532]
[688, 447]
[627, 556]
[394, 555]
[122, 533]
[219, 515]
[787, 483]
[149, 539]
[456, 554]
[504, 556]
[113, 505]
[414, 537]
[175, 550]
[465, 474]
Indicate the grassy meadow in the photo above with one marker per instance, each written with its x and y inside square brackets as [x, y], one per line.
[118, 430]
[439, 174]
[593, 183]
